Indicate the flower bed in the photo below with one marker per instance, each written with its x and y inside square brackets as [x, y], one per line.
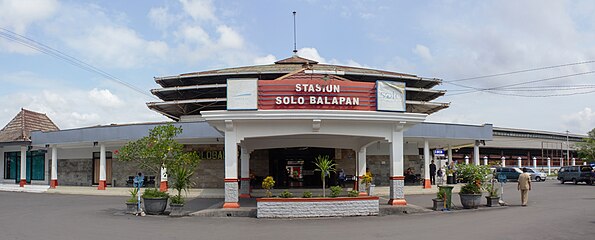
[316, 207]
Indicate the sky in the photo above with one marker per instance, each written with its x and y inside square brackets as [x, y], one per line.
[127, 43]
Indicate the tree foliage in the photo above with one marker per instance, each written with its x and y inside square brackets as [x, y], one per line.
[160, 149]
[586, 149]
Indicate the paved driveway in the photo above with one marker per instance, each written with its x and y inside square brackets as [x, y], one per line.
[555, 212]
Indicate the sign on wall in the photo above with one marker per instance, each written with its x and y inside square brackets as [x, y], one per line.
[316, 94]
[242, 94]
[390, 96]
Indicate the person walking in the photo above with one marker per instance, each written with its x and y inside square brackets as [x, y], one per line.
[524, 185]
[432, 173]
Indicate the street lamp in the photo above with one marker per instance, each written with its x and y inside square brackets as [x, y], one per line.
[567, 148]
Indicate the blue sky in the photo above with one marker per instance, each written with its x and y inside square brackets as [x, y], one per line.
[137, 40]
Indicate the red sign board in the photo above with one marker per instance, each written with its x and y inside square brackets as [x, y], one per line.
[314, 92]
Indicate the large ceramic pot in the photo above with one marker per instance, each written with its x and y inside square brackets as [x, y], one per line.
[450, 180]
[470, 200]
[438, 204]
[176, 210]
[131, 207]
[155, 206]
[493, 201]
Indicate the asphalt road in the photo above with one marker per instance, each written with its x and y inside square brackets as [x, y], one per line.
[555, 212]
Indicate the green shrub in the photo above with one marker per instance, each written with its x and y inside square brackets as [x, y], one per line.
[441, 194]
[336, 191]
[286, 194]
[267, 184]
[307, 194]
[177, 199]
[353, 193]
[154, 193]
[133, 196]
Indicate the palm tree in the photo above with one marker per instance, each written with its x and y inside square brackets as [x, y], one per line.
[325, 166]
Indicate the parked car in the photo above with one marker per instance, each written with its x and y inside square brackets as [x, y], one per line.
[511, 173]
[576, 174]
[536, 175]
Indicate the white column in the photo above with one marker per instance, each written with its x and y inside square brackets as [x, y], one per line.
[397, 180]
[361, 171]
[449, 154]
[561, 162]
[573, 161]
[466, 160]
[231, 166]
[534, 162]
[476, 153]
[54, 173]
[23, 180]
[427, 183]
[519, 161]
[244, 172]
[503, 161]
[549, 166]
[485, 160]
[163, 179]
[102, 183]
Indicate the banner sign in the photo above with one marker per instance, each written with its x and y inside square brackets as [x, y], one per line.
[241, 94]
[316, 94]
[390, 96]
[439, 152]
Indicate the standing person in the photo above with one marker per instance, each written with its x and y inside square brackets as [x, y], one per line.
[524, 185]
[341, 178]
[432, 173]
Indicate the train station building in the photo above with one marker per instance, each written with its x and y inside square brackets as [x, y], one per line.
[273, 120]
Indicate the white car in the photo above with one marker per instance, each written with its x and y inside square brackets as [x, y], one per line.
[536, 175]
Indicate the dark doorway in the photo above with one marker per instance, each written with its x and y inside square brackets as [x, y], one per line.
[294, 167]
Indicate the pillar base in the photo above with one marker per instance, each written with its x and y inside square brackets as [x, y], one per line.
[163, 186]
[22, 183]
[102, 185]
[231, 205]
[53, 183]
[245, 196]
[427, 183]
[397, 202]
[363, 194]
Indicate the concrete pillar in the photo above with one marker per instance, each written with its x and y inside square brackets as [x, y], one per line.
[163, 186]
[549, 166]
[466, 160]
[561, 162]
[573, 162]
[427, 183]
[503, 161]
[396, 179]
[102, 173]
[23, 180]
[519, 162]
[231, 166]
[54, 174]
[449, 153]
[476, 153]
[485, 160]
[361, 165]
[534, 162]
[244, 173]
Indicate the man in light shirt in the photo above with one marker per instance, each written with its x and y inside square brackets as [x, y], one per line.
[524, 185]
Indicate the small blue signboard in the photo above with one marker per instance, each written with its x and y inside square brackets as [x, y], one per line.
[439, 152]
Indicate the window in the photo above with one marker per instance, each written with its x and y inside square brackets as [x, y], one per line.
[35, 165]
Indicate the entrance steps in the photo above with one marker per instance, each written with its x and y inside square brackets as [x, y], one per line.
[27, 188]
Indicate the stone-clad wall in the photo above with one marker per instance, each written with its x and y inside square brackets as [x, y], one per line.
[75, 172]
[211, 171]
[326, 208]
[379, 166]
[121, 170]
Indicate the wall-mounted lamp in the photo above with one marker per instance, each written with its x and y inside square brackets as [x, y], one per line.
[95, 144]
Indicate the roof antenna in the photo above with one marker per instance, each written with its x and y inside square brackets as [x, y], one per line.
[294, 38]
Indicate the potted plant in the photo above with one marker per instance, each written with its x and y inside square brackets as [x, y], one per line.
[474, 177]
[493, 199]
[439, 201]
[268, 184]
[154, 201]
[132, 202]
[325, 165]
[182, 181]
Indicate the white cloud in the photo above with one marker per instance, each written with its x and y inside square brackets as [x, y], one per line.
[104, 98]
[17, 16]
[580, 122]
[161, 18]
[311, 53]
[202, 10]
[118, 47]
[423, 52]
[268, 59]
